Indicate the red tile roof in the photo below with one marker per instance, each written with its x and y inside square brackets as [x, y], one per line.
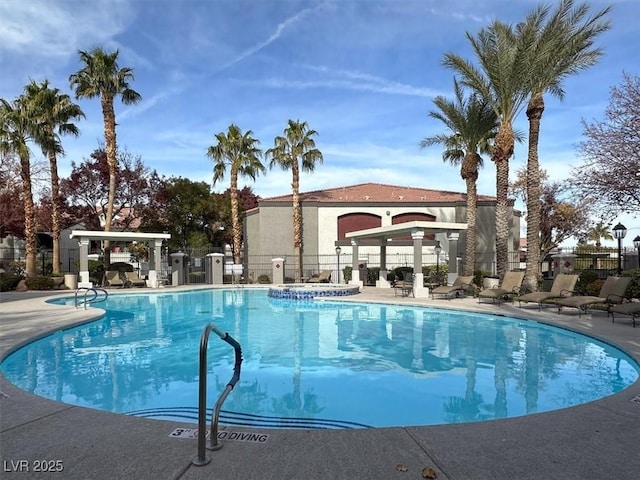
[378, 192]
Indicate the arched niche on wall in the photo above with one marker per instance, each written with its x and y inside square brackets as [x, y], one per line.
[413, 217]
[351, 222]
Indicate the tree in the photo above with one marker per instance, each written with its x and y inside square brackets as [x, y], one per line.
[471, 124]
[87, 189]
[54, 112]
[101, 76]
[561, 218]
[610, 171]
[556, 46]
[240, 152]
[294, 151]
[16, 130]
[500, 79]
[11, 202]
[598, 231]
[186, 210]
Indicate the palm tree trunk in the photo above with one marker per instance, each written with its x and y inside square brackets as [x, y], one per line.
[55, 211]
[502, 152]
[297, 222]
[235, 221]
[470, 175]
[29, 215]
[109, 117]
[532, 272]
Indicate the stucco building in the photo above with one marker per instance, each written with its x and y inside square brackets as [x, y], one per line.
[328, 215]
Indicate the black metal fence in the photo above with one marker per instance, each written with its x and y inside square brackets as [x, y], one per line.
[259, 268]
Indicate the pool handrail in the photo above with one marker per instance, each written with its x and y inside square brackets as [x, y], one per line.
[95, 292]
[201, 458]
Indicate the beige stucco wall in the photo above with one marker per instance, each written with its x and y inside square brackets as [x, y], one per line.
[269, 231]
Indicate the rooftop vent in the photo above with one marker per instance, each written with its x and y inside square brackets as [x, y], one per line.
[400, 197]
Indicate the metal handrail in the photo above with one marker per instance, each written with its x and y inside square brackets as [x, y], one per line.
[94, 291]
[202, 459]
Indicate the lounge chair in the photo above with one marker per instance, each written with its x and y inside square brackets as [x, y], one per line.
[322, 277]
[112, 279]
[460, 285]
[612, 292]
[510, 286]
[562, 286]
[631, 309]
[132, 279]
[404, 286]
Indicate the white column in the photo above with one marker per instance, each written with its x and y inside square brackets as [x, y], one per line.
[453, 256]
[83, 242]
[355, 271]
[418, 279]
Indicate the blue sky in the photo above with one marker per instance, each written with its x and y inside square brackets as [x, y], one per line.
[362, 73]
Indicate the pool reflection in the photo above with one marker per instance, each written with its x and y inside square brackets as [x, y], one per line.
[377, 365]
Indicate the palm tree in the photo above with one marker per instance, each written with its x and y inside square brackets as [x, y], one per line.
[16, 130]
[101, 76]
[53, 111]
[471, 125]
[500, 80]
[241, 153]
[598, 231]
[295, 150]
[559, 47]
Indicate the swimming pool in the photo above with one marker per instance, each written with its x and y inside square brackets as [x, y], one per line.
[317, 364]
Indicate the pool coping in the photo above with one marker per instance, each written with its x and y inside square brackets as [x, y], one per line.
[594, 440]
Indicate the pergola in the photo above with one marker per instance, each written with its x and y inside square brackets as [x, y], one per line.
[417, 230]
[85, 236]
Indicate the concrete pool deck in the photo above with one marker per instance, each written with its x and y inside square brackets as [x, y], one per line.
[598, 440]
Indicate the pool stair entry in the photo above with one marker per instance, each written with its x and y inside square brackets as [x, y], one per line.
[97, 295]
[201, 459]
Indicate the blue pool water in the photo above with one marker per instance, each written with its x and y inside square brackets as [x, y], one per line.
[317, 364]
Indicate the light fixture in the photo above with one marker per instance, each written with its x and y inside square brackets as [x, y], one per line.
[619, 232]
[438, 249]
[338, 252]
[636, 243]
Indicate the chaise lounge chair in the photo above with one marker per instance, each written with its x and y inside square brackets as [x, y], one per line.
[631, 309]
[563, 286]
[112, 279]
[132, 279]
[612, 292]
[322, 277]
[510, 286]
[460, 285]
[404, 286]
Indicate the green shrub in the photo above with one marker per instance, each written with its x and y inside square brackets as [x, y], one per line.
[9, 281]
[346, 273]
[264, 278]
[586, 278]
[633, 290]
[96, 271]
[39, 283]
[478, 277]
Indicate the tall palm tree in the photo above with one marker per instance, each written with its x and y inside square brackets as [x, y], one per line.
[471, 124]
[598, 231]
[54, 112]
[294, 151]
[241, 153]
[557, 47]
[500, 79]
[16, 130]
[101, 76]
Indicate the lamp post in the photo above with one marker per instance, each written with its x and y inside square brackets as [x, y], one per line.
[338, 252]
[636, 243]
[619, 232]
[438, 249]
